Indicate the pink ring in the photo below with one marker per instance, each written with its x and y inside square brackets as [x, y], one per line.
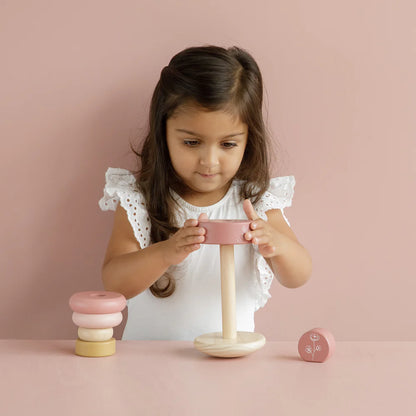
[316, 345]
[226, 232]
[97, 321]
[97, 302]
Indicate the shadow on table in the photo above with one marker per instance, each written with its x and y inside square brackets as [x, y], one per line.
[287, 357]
[193, 354]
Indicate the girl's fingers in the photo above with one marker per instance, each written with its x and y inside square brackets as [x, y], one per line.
[194, 239]
[190, 227]
[190, 223]
[249, 210]
[192, 248]
[203, 217]
[190, 230]
[260, 240]
[189, 237]
[267, 251]
[257, 235]
[257, 224]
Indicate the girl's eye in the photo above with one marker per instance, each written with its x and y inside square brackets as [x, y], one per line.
[229, 145]
[190, 143]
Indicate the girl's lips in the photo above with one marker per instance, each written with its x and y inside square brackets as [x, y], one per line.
[206, 175]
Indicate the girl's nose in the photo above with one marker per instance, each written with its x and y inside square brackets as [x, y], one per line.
[208, 158]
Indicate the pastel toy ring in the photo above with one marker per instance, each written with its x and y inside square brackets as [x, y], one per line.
[95, 335]
[97, 302]
[95, 349]
[97, 321]
[225, 232]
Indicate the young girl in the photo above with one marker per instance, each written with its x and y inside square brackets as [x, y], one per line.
[206, 154]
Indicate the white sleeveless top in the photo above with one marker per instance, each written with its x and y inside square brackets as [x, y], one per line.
[195, 306]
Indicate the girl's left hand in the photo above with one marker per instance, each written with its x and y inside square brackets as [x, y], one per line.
[261, 232]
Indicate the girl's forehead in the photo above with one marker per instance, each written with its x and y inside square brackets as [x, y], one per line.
[193, 113]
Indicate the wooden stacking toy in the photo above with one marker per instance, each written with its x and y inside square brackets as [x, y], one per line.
[229, 343]
[96, 313]
[316, 345]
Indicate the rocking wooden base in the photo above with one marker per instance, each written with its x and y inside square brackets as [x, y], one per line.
[214, 344]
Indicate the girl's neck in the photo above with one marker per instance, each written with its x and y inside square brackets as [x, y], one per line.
[204, 199]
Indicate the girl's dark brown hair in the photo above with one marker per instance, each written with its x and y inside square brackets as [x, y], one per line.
[215, 79]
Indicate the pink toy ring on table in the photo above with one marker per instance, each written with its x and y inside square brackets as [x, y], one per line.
[97, 302]
[316, 345]
[225, 232]
[97, 321]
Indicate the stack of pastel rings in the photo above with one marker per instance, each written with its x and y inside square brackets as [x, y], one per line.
[96, 313]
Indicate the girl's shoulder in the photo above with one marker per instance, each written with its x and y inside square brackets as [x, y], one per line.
[279, 195]
[121, 187]
[120, 184]
[283, 188]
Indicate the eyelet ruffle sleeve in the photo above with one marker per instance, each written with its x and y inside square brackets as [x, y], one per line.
[278, 196]
[120, 186]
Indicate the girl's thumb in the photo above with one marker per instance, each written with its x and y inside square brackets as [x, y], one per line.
[203, 217]
[249, 210]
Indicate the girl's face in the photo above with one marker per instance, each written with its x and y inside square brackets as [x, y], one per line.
[206, 149]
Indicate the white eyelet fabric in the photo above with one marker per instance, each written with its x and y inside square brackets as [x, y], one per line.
[278, 196]
[121, 187]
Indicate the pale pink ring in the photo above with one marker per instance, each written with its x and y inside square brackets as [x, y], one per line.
[225, 232]
[97, 302]
[97, 321]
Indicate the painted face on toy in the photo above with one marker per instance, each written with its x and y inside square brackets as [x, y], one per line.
[206, 149]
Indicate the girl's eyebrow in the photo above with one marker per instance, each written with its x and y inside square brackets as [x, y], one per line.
[196, 134]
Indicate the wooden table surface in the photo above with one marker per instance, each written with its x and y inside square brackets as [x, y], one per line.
[40, 377]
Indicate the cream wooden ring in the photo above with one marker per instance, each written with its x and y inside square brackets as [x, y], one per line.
[97, 321]
[95, 335]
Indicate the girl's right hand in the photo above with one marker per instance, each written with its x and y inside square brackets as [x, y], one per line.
[186, 240]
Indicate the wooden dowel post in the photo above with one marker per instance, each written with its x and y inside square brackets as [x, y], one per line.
[229, 342]
[229, 330]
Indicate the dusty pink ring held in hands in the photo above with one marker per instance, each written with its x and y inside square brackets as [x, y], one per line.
[225, 232]
[97, 302]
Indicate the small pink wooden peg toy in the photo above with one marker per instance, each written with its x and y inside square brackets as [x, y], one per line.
[96, 313]
[229, 343]
[316, 345]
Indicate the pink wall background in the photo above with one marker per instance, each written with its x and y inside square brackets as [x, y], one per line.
[76, 81]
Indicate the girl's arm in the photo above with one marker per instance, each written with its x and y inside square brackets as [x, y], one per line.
[278, 244]
[129, 270]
